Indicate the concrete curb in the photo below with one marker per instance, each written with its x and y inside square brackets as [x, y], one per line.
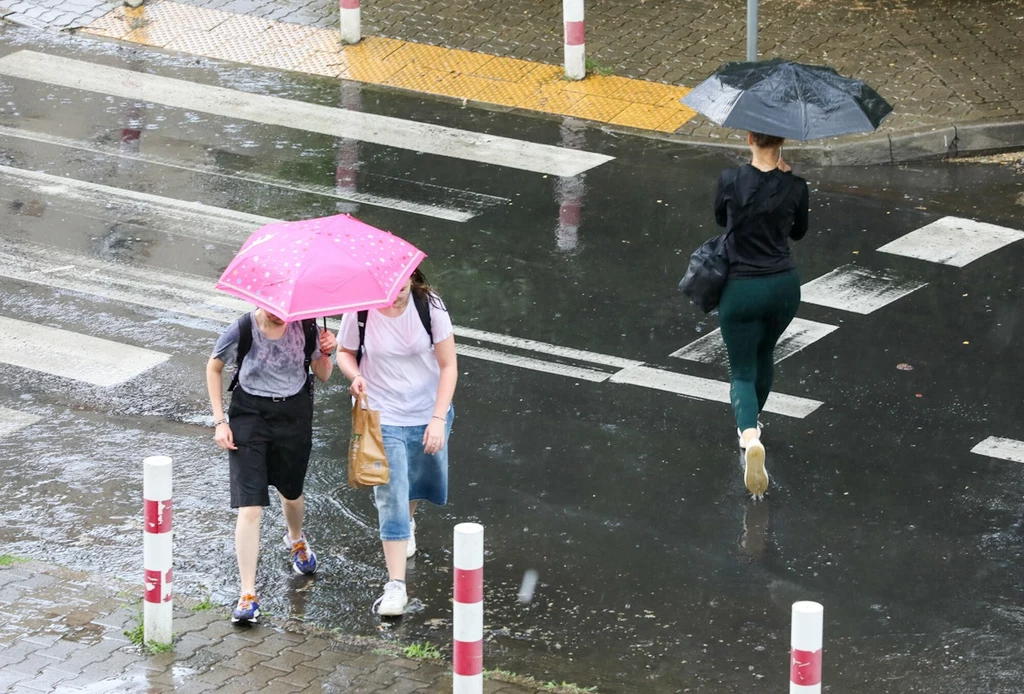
[948, 142]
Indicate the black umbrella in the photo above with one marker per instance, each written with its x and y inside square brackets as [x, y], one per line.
[791, 100]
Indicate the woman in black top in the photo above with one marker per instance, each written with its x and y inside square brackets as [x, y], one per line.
[763, 205]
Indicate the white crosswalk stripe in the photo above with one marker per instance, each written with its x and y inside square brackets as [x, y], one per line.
[1003, 449]
[12, 421]
[195, 296]
[953, 241]
[367, 127]
[857, 289]
[462, 205]
[707, 389]
[73, 355]
[800, 334]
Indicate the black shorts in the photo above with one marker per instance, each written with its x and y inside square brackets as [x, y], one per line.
[274, 439]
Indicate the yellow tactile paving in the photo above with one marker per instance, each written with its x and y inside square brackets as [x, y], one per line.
[322, 63]
[426, 69]
[597, 85]
[283, 57]
[505, 69]
[597, 108]
[372, 71]
[676, 120]
[373, 48]
[439, 82]
[642, 116]
[326, 40]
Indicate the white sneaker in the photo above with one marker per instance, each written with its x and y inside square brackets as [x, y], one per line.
[739, 435]
[394, 600]
[755, 475]
[410, 549]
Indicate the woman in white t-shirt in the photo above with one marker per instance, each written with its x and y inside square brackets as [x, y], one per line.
[409, 376]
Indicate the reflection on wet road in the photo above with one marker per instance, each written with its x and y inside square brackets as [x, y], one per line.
[594, 439]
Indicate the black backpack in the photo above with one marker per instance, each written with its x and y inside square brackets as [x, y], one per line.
[422, 308]
[245, 344]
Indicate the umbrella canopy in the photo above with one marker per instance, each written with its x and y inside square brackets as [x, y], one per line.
[320, 267]
[785, 99]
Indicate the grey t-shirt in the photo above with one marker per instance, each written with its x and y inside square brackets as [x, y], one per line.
[272, 368]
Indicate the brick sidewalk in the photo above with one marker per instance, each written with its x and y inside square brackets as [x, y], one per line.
[63, 631]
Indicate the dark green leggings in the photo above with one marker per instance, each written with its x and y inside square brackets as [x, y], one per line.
[754, 312]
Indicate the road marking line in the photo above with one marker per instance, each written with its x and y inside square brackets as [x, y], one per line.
[857, 289]
[73, 355]
[707, 389]
[546, 348]
[13, 420]
[258, 108]
[518, 361]
[195, 296]
[199, 218]
[166, 290]
[473, 204]
[1003, 449]
[801, 333]
[953, 241]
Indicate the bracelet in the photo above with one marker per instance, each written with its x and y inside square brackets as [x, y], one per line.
[356, 376]
[443, 419]
[219, 422]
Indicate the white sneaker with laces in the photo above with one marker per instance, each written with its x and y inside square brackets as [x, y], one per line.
[394, 600]
[410, 549]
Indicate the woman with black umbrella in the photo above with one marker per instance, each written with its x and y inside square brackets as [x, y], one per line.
[762, 205]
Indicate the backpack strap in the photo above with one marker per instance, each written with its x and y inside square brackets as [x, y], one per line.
[361, 321]
[422, 308]
[244, 345]
[309, 330]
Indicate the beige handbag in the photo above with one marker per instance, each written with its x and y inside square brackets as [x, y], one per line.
[367, 461]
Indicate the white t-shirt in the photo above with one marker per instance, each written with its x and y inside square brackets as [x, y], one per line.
[398, 361]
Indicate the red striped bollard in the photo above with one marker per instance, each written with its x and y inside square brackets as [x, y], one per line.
[805, 654]
[575, 53]
[468, 610]
[156, 549]
[351, 29]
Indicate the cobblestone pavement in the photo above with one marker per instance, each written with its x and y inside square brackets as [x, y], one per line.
[55, 14]
[940, 63]
[64, 631]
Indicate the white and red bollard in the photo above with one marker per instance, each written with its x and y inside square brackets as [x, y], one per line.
[468, 610]
[575, 52]
[156, 549]
[351, 27]
[805, 653]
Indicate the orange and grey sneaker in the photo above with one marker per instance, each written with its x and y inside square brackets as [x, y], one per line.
[248, 610]
[303, 556]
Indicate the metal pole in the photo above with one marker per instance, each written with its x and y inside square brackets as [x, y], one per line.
[156, 550]
[751, 30]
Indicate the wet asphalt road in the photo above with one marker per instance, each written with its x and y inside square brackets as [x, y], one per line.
[657, 574]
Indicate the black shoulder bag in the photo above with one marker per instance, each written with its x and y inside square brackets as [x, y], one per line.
[709, 265]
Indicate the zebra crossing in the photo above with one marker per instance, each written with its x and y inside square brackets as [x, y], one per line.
[103, 363]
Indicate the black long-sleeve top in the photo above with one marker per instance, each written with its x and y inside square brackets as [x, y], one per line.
[759, 244]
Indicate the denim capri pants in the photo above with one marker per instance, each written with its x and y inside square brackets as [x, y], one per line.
[414, 476]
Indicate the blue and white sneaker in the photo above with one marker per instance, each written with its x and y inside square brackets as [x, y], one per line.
[303, 556]
[247, 612]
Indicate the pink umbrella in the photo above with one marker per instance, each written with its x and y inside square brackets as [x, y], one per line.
[320, 267]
